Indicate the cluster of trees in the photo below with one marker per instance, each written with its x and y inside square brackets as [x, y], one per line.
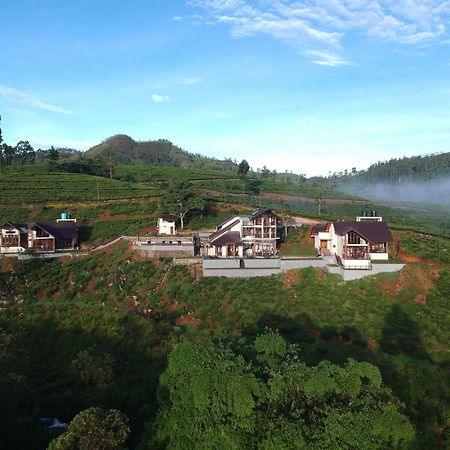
[410, 168]
[94, 429]
[181, 199]
[23, 153]
[213, 398]
[397, 170]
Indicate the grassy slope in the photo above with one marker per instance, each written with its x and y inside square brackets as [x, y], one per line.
[396, 321]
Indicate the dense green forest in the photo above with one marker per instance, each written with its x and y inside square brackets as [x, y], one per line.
[424, 167]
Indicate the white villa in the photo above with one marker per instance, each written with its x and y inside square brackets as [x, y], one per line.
[355, 244]
[239, 236]
[167, 224]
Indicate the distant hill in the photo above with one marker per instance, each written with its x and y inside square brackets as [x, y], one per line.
[420, 179]
[125, 150]
[409, 168]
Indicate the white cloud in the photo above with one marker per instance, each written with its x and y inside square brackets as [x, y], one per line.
[324, 58]
[190, 81]
[177, 18]
[22, 97]
[320, 25]
[160, 98]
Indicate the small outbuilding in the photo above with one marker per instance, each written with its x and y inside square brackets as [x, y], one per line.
[167, 224]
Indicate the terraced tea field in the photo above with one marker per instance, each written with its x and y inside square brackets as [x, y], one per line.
[29, 188]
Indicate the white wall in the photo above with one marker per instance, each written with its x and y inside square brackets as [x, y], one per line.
[379, 256]
[356, 263]
[8, 250]
[165, 227]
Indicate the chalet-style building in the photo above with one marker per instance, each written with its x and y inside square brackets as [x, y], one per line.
[40, 236]
[239, 236]
[167, 224]
[355, 244]
[52, 236]
[13, 238]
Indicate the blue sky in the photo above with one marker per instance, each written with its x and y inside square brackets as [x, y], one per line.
[311, 86]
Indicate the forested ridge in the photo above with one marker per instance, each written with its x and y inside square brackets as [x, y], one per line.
[424, 168]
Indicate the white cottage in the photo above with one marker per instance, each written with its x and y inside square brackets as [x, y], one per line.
[167, 224]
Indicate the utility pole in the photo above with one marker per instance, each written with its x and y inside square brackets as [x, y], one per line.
[98, 193]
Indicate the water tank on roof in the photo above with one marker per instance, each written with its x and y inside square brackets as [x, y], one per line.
[64, 216]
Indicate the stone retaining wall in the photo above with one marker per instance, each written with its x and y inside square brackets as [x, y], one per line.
[221, 264]
[273, 266]
[350, 275]
[240, 273]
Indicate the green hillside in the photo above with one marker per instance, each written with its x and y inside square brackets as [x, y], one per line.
[80, 316]
[29, 188]
[123, 149]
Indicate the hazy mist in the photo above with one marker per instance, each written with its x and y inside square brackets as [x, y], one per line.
[435, 191]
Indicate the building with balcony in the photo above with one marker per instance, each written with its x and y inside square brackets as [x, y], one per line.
[244, 236]
[355, 244]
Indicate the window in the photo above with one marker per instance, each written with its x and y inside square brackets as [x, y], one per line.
[378, 248]
[353, 238]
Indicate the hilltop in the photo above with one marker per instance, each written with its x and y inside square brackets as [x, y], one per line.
[125, 150]
[426, 167]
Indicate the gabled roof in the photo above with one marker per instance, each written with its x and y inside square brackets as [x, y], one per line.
[218, 233]
[230, 237]
[317, 228]
[261, 212]
[59, 230]
[370, 231]
[169, 217]
[18, 226]
[224, 221]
